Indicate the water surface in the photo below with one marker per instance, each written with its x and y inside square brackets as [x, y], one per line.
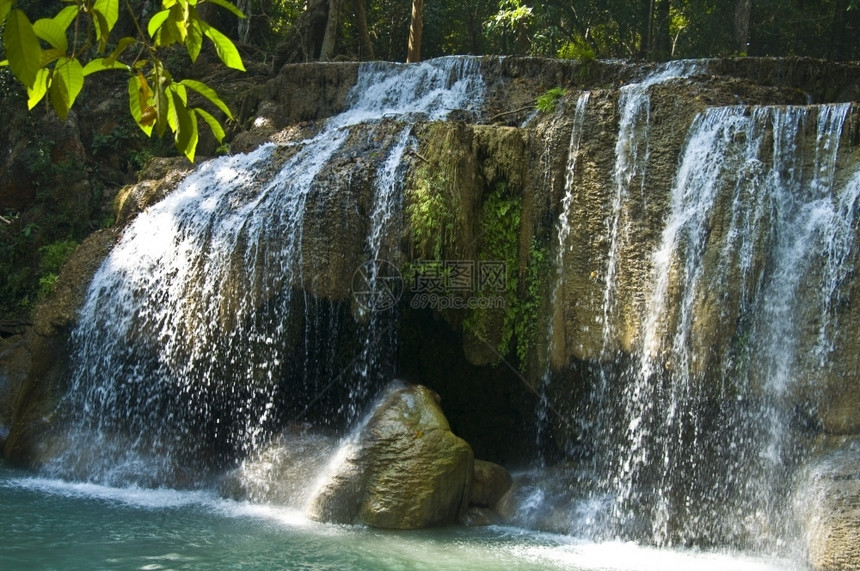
[54, 524]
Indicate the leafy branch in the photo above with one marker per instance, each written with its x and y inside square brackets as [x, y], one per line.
[46, 57]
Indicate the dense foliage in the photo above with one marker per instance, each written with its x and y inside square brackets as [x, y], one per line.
[649, 29]
[53, 56]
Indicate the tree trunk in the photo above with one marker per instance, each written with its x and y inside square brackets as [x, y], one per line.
[327, 48]
[646, 41]
[662, 35]
[742, 25]
[415, 29]
[303, 40]
[243, 28]
[365, 48]
[475, 32]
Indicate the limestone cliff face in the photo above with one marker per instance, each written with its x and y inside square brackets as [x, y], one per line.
[610, 256]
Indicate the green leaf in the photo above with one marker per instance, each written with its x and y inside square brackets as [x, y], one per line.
[53, 30]
[162, 108]
[156, 21]
[121, 46]
[22, 47]
[225, 48]
[186, 134]
[103, 64]
[67, 15]
[169, 33]
[50, 31]
[213, 123]
[194, 39]
[5, 6]
[110, 10]
[138, 101]
[39, 88]
[180, 90]
[172, 31]
[208, 93]
[102, 30]
[50, 55]
[72, 74]
[228, 6]
[58, 93]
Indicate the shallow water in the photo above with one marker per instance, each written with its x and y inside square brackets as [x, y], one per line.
[53, 524]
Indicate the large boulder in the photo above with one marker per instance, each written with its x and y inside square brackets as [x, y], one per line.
[404, 470]
[829, 506]
[489, 483]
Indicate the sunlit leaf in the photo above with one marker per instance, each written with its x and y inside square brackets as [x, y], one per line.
[172, 117]
[185, 131]
[103, 64]
[208, 93]
[162, 107]
[5, 6]
[228, 6]
[139, 96]
[53, 30]
[156, 21]
[22, 47]
[58, 93]
[180, 90]
[194, 39]
[102, 30]
[67, 15]
[48, 30]
[168, 34]
[225, 48]
[39, 88]
[109, 9]
[213, 123]
[178, 20]
[121, 46]
[50, 55]
[72, 73]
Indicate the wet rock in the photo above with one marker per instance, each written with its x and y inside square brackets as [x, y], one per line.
[830, 510]
[35, 366]
[477, 516]
[160, 176]
[404, 470]
[489, 483]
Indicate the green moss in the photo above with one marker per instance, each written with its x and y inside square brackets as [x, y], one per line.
[51, 259]
[430, 208]
[526, 324]
[501, 218]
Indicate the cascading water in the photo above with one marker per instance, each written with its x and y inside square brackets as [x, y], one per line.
[740, 316]
[187, 354]
[562, 233]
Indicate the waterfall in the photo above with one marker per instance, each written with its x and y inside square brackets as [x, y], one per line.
[631, 158]
[737, 325]
[379, 282]
[554, 343]
[697, 330]
[198, 339]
